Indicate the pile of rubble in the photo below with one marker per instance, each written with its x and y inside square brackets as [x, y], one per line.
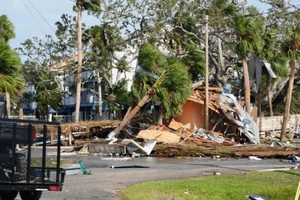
[176, 133]
[229, 125]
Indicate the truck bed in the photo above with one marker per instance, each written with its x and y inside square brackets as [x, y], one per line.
[37, 177]
[23, 133]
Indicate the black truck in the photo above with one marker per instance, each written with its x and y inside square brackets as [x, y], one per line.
[17, 173]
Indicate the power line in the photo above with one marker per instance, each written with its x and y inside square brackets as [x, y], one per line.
[41, 16]
[34, 18]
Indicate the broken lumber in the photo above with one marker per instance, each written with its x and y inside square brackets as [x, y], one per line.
[160, 136]
[175, 125]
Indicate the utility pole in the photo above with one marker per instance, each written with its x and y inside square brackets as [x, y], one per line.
[206, 76]
[79, 67]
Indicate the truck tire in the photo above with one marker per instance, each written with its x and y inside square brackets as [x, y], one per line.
[30, 195]
[21, 166]
[8, 195]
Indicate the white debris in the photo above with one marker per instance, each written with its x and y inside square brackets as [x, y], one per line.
[254, 158]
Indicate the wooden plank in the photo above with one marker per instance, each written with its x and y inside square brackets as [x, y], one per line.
[187, 137]
[160, 136]
[175, 125]
[184, 133]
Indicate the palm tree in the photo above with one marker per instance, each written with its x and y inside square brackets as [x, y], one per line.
[291, 48]
[6, 28]
[10, 80]
[277, 61]
[106, 40]
[165, 81]
[249, 40]
[92, 6]
[175, 86]
[223, 10]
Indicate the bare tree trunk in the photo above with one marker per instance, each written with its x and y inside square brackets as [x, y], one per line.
[221, 58]
[133, 112]
[276, 88]
[246, 84]
[259, 113]
[21, 114]
[254, 112]
[160, 114]
[141, 103]
[256, 105]
[99, 94]
[79, 68]
[288, 99]
[179, 50]
[269, 96]
[7, 97]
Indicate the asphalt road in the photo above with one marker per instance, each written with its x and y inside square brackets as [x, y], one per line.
[105, 182]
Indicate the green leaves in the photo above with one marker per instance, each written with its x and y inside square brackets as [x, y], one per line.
[9, 60]
[91, 6]
[11, 84]
[195, 62]
[6, 28]
[151, 59]
[249, 33]
[175, 85]
[10, 64]
[40, 55]
[48, 93]
[291, 45]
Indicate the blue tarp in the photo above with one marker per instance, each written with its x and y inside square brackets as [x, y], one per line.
[51, 111]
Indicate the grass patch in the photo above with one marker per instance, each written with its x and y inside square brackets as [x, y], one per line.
[277, 185]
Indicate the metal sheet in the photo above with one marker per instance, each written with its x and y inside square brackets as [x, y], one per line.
[269, 69]
[251, 130]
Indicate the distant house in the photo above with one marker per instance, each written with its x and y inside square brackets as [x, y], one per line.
[89, 96]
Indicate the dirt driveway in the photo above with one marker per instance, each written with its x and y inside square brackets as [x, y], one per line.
[105, 182]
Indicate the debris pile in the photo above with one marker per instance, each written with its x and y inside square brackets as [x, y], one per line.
[229, 125]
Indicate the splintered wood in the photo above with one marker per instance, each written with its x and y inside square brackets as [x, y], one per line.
[175, 125]
[175, 132]
[160, 136]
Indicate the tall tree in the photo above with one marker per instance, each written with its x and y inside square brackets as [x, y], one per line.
[48, 92]
[291, 48]
[249, 32]
[279, 15]
[165, 81]
[92, 6]
[271, 53]
[221, 21]
[106, 43]
[10, 64]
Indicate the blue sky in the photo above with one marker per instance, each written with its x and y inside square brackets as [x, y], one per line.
[26, 27]
[25, 24]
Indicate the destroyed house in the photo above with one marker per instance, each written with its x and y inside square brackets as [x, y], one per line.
[227, 118]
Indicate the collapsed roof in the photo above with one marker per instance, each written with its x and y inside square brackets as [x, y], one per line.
[228, 106]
